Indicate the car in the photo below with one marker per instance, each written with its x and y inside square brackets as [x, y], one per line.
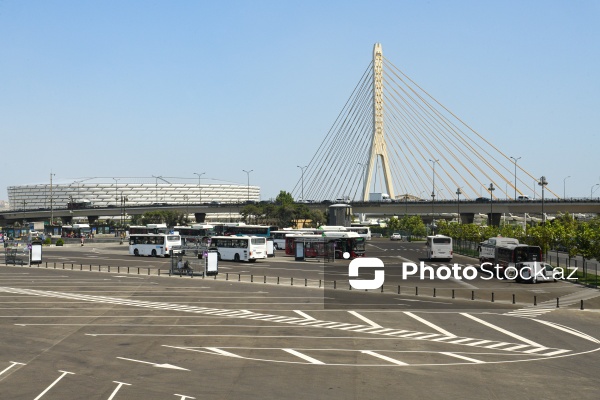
[482, 200]
[523, 198]
[535, 271]
[396, 236]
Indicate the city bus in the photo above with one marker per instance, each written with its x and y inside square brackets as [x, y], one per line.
[194, 233]
[317, 245]
[240, 248]
[153, 244]
[439, 247]
[76, 230]
[511, 254]
[150, 228]
[279, 237]
[242, 229]
[363, 231]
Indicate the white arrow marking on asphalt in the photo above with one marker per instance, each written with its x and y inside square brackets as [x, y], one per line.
[168, 366]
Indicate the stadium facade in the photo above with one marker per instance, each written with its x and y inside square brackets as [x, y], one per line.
[107, 194]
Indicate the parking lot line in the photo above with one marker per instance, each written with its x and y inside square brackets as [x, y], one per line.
[429, 324]
[506, 332]
[303, 356]
[386, 358]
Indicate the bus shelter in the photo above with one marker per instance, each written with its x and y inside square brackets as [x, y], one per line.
[192, 264]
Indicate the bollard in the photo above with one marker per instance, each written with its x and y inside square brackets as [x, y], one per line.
[513, 298]
[416, 290]
[581, 306]
[472, 295]
[71, 266]
[227, 276]
[319, 283]
[127, 270]
[278, 280]
[305, 282]
[334, 284]
[292, 280]
[118, 269]
[239, 277]
[350, 287]
[138, 270]
[452, 293]
[109, 268]
[251, 277]
[81, 267]
[398, 289]
[159, 272]
[433, 292]
[46, 264]
[99, 269]
[149, 271]
[215, 277]
[63, 265]
[264, 279]
[90, 267]
[492, 297]
[535, 300]
[54, 265]
[557, 306]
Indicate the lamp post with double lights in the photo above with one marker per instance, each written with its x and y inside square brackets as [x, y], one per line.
[248, 174]
[491, 189]
[516, 159]
[543, 182]
[302, 169]
[199, 186]
[458, 193]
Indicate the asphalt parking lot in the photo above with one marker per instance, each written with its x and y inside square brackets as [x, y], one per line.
[72, 334]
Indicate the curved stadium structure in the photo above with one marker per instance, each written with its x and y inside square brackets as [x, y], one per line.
[107, 194]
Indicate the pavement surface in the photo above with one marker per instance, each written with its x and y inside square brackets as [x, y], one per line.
[72, 333]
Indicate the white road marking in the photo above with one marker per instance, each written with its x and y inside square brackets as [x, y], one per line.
[386, 358]
[365, 319]
[223, 352]
[117, 389]
[303, 314]
[168, 366]
[569, 330]
[303, 356]
[13, 363]
[429, 324]
[509, 333]
[54, 383]
[463, 357]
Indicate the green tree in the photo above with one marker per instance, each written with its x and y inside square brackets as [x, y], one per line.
[284, 199]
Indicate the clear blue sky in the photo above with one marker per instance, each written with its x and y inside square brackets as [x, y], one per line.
[140, 88]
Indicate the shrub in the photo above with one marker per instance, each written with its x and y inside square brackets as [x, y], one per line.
[47, 241]
[60, 242]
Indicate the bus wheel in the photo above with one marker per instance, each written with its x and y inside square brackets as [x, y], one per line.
[153, 253]
[136, 253]
[236, 258]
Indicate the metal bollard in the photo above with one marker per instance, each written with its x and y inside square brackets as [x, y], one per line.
[452, 293]
[109, 268]
[251, 277]
[434, 292]
[292, 281]
[381, 288]
[513, 298]
[239, 277]
[319, 283]
[492, 297]
[334, 284]
[535, 300]
[398, 289]
[416, 290]
[138, 270]
[278, 280]
[90, 267]
[46, 264]
[265, 279]
[227, 276]
[581, 306]
[54, 265]
[81, 267]
[305, 282]
[472, 295]
[557, 305]
[63, 265]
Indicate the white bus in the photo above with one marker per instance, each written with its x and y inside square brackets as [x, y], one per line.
[279, 237]
[363, 231]
[152, 244]
[240, 248]
[439, 247]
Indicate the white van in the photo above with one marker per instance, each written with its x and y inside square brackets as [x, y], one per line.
[534, 272]
[523, 198]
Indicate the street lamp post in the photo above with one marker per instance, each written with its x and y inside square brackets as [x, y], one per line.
[543, 182]
[491, 189]
[458, 193]
[565, 186]
[302, 169]
[516, 159]
[248, 174]
[51, 201]
[433, 194]
[116, 194]
[200, 187]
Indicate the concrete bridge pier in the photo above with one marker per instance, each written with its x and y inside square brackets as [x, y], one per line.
[467, 218]
[92, 219]
[494, 219]
[200, 217]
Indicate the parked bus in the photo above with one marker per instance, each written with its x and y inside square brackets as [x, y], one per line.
[488, 248]
[152, 244]
[150, 228]
[240, 248]
[317, 245]
[279, 237]
[76, 231]
[363, 231]
[242, 229]
[194, 233]
[439, 247]
[511, 254]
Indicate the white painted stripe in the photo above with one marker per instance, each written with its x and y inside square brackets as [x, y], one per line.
[365, 319]
[411, 334]
[520, 346]
[303, 314]
[223, 352]
[303, 356]
[460, 340]
[463, 357]
[13, 363]
[53, 383]
[119, 384]
[494, 346]
[555, 352]
[478, 343]
[382, 330]
[506, 332]
[351, 327]
[396, 332]
[444, 338]
[569, 330]
[427, 336]
[386, 358]
[535, 350]
[429, 324]
[368, 328]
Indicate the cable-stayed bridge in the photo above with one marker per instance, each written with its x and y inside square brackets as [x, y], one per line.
[394, 137]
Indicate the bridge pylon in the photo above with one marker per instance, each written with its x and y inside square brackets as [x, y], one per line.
[378, 143]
